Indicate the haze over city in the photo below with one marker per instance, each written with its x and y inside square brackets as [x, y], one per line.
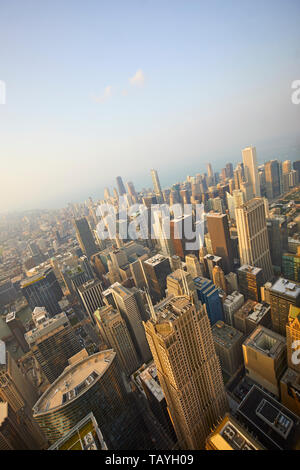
[97, 89]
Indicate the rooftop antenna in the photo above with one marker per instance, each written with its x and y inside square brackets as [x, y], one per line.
[150, 304]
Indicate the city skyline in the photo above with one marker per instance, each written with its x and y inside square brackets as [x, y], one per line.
[80, 111]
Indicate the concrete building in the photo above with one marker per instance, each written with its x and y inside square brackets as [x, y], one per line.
[156, 271]
[265, 358]
[115, 333]
[52, 343]
[253, 236]
[231, 304]
[250, 169]
[228, 344]
[250, 279]
[218, 230]
[91, 295]
[290, 390]
[283, 294]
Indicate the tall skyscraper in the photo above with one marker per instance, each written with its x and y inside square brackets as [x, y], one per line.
[218, 278]
[85, 237]
[209, 295]
[273, 179]
[193, 266]
[20, 395]
[189, 372]
[43, 290]
[116, 335]
[156, 271]
[127, 302]
[253, 236]
[156, 182]
[52, 343]
[218, 230]
[120, 185]
[250, 169]
[91, 295]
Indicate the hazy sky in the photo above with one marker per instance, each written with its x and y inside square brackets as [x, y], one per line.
[97, 89]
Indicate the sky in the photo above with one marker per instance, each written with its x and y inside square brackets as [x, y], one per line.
[97, 89]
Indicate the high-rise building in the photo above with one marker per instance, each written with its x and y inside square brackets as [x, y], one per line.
[265, 358]
[116, 335]
[156, 271]
[193, 266]
[91, 295]
[209, 295]
[283, 294]
[177, 282]
[278, 239]
[85, 237]
[253, 236]
[218, 230]
[156, 183]
[128, 303]
[251, 315]
[296, 167]
[228, 344]
[189, 372]
[291, 265]
[273, 179]
[218, 278]
[18, 330]
[232, 303]
[52, 343]
[250, 169]
[120, 185]
[93, 384]
[250, 279]
[20, 395]
[290, 390]
[43, 290]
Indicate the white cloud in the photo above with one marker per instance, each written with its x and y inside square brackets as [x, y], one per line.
[105, 95]
[138, 79]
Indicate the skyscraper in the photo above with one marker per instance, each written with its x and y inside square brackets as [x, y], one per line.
[85, 237]
[156, 183]
[52, 343]
[43, 290]
[218, 230]
[189, 372]
[208, 294]
[156, 271]
[250, 169]
[20, 395]
[116, 335]
[250, 281]
[127, 302]
[273, 179]
[120, 185]
[253, 236]
[91, 295]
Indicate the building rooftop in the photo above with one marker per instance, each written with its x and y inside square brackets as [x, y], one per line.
[284, 287]
[150, 379]
[155, 260]
[230, 435]
[85, 435]
[246, 268]
[168, 311]
[276, 426]
[291, 377]
[88, 284]
[266, 341]
[225, 335]
[74, 381]
[46, 327]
